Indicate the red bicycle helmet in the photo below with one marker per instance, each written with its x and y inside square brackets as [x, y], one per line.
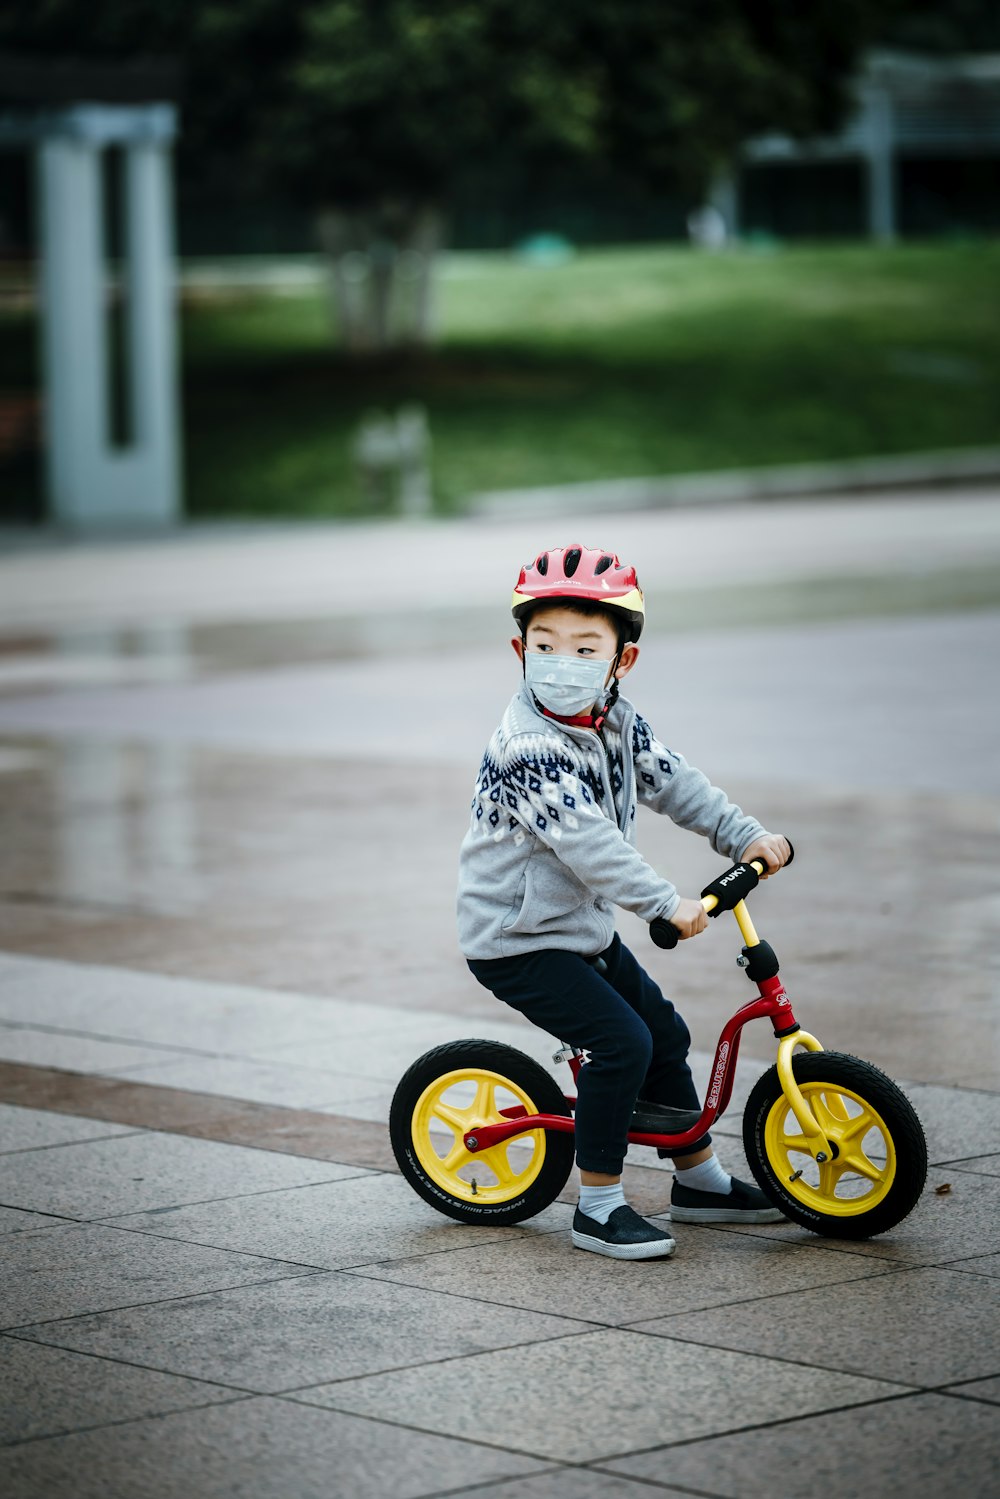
[574, 573]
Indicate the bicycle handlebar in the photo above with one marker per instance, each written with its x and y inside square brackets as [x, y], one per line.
[719, 895]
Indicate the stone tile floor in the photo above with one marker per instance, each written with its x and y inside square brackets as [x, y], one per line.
[190, 1313]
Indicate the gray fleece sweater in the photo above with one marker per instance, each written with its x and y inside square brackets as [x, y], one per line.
[551, 842]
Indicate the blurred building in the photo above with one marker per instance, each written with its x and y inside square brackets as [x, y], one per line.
[919, 155]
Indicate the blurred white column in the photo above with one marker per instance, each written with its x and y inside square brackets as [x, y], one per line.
[153, 342]
[74, 348]
[92, 483]
[878, 129]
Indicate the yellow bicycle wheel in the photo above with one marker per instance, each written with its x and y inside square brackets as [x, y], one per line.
[862, 1164]
[876, 1154]
[462, 1086]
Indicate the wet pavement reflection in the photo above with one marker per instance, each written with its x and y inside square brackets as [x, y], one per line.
[178, 800]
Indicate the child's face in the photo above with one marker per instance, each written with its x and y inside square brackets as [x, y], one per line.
[563, 632]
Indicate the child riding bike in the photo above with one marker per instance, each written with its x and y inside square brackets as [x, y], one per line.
[551, 848]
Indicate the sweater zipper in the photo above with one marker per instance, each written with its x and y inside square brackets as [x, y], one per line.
[628, 771]
[620, 821]
[606, 779]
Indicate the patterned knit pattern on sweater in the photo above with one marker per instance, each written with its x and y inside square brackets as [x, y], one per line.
[551, 841]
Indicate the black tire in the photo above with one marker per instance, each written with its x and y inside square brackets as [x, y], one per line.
[857, 1210]
[416, 1152]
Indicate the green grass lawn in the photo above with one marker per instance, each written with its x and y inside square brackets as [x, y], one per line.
[643, 361]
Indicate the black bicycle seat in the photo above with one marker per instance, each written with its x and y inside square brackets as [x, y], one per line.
[660, 1119]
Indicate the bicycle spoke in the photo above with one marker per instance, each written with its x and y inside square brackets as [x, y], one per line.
[856, 1127]
[858, 1162]
[829, 1110]
[456, 1119]
[797, 1143]
[457, 1156]
[828, 1175]
[483, 1106]
[498, 1163]
[837, 1106]
[808, 1145]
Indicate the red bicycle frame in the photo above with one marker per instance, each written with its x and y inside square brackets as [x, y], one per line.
[771, 1004]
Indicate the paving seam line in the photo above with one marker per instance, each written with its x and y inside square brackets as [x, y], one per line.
[733, 1431]
[237, 1121]
[231, 1121]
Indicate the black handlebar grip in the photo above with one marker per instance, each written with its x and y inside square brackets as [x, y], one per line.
[664, 933]
[791, 855]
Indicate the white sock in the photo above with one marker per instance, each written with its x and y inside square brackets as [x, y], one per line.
[707, 1177]
[600, 1202]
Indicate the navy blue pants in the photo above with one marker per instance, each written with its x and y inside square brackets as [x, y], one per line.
[638, 1043]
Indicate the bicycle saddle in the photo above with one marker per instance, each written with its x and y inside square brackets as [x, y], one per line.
[660, 1119]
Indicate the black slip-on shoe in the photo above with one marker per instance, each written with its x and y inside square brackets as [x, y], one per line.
[741, 1204]
[625, 1236]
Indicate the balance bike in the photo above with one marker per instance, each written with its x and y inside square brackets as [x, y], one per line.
[484, 1134]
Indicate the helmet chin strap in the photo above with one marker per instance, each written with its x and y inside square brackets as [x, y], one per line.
[613, 690]
[600, 718]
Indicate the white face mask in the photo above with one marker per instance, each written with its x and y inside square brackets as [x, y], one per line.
[566, 685]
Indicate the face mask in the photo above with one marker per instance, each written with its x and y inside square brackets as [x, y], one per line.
[566, 685]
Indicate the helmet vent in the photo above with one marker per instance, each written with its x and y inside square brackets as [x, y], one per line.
[543, 563]
[572, 561]
[604, 564]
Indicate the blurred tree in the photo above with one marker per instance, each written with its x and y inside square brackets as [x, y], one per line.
[370, 111]
[388, 103]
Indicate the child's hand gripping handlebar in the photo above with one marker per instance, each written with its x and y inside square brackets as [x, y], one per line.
[721, 894]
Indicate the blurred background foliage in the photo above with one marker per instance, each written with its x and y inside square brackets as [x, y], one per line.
[623, 362]
[403, 126]
[348, 101]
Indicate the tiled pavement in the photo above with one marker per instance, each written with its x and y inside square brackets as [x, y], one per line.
[214, 1282]
[186, 1313]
